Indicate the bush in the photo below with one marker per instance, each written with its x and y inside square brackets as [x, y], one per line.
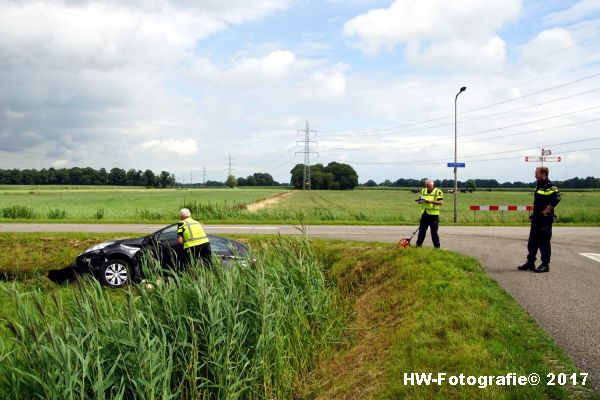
[17, 211]
[232, 333]
[147, 214]
[99, 213]
[57, 214]
[214, 211]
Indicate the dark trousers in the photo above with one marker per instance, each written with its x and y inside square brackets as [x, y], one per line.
[429, 221]
[201, 253]
[540, 235]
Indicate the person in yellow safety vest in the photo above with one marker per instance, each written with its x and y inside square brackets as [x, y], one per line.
[431, 200]
[191, 235]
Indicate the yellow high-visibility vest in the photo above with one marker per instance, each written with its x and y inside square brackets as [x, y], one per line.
[435, 194]
[192, 232]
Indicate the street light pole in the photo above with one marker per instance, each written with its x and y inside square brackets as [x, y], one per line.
[462, 89]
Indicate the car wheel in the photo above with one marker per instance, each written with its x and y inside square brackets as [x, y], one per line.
[115, 273]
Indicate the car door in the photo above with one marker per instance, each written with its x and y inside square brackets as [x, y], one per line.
[171, 252]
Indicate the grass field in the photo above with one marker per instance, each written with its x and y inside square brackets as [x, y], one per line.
[378, 207]
[398, 317]
[398, 207]
[113, 204]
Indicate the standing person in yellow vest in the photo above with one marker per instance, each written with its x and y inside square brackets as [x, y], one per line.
[191, 235]
[431, 200]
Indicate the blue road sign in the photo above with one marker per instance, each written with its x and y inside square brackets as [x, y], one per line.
[456, 165]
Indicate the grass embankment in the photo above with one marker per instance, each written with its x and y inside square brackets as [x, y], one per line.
[425, 310]
[367, 207]
[418, 310]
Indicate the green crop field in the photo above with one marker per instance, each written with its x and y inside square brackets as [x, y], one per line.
[377, 207]
[309, 320]
[117, 204]
[398, 207]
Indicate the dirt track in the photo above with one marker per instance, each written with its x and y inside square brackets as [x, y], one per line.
[269, 202]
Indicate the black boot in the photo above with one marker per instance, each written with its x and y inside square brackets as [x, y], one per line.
[542, 268]
[528, 266]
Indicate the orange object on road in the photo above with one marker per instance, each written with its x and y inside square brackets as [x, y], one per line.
[405, 242]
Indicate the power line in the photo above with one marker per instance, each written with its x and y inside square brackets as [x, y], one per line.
[435, 143]
[436, 160]
[284, 163]
[369, 132]
[515, 157]
[493, 114]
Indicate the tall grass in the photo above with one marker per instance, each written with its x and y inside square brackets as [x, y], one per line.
[17, 211]
[228, 333]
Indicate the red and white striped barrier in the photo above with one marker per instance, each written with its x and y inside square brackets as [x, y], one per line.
[498, 208]
[501, 208]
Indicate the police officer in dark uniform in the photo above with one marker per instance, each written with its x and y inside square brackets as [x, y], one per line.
[546, 198]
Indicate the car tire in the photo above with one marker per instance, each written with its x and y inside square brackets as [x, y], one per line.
[115, 273]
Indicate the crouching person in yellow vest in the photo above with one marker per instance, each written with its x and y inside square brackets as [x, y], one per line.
[433, 198]
[191, 235]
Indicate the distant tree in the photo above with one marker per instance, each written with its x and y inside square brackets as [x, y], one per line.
[214, 184]
[471, 184]
[165, 179]
[101, 177]
[335, 176]
[297, 176]
[343, 174]
[149, 178]
[263, 179]
[386, 183]
[370, 183]
[134, 177]
[231, 182]
[116, 176]
[242, 181]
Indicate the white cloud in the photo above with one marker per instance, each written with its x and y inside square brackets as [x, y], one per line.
[10, 114]
[292, 121]
[99, 72]
[546, 42]
[435, 30]
[134, 84]
[325, 84]
[578, 157]
[459, 53]
[577, 12]
[245, 72]
[60, 163]
[171, 146]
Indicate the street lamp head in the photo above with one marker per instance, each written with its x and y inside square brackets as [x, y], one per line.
[462, 89]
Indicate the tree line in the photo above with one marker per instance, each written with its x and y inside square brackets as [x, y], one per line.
[574, 183]
[334, 176]
[86, 176]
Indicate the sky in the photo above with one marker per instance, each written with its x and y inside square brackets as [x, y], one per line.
[179, 85]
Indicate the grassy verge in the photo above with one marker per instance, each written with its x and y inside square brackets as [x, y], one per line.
[256, 333]
[423, 310]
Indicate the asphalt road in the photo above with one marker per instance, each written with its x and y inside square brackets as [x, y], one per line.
[565, 302]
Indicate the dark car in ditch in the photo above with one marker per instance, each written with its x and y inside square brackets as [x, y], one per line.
[118, 263]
